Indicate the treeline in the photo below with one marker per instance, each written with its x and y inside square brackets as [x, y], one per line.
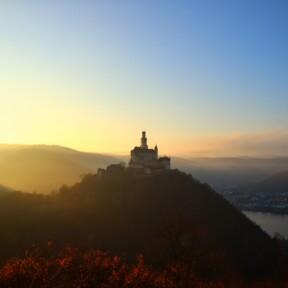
[73, 267]
[167, 218]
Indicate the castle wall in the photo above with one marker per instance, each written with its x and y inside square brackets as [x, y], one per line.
[165, 163]
[142, 157]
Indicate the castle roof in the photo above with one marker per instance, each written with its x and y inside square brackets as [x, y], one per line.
[139, 149]
[164, 158]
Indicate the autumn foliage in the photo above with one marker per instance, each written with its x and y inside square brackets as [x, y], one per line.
[94, 268]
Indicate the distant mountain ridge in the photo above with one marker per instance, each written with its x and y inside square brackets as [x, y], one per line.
[43, 168]
[277, 182]
[231, 171]
[268, 195]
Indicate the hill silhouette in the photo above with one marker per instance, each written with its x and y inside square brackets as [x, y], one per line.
[223, 171]
[43, 168]
[127, 214]
[278, 182]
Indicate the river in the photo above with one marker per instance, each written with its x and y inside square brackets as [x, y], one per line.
[269, 222]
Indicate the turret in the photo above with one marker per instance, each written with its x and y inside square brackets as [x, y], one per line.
[144, 141]
[156, 151]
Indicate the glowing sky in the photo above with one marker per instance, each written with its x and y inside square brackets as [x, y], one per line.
[201, 77]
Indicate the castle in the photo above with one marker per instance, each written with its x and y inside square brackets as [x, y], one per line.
[146, 159]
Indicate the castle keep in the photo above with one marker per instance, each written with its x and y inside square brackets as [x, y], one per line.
[144, 158]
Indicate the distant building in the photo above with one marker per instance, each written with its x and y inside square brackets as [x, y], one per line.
[115, 169]
[147, 159]
[100, 172]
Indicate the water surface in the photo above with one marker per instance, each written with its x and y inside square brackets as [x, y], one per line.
[269, 222]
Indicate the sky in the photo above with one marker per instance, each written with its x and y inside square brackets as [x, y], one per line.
[203, 78]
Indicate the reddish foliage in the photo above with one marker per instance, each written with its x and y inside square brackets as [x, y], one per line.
[73, 268]
[89, 269]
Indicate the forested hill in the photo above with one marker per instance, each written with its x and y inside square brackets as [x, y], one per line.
[277, 182]
[170, 217]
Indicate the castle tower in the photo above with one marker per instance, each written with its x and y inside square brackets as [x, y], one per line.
[156, 151]
[144, 141]
[145, 159]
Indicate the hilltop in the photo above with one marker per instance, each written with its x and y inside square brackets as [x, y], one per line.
[126, 214]
[221, 172]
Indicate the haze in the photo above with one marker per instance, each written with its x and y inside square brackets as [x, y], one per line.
[203, 78]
